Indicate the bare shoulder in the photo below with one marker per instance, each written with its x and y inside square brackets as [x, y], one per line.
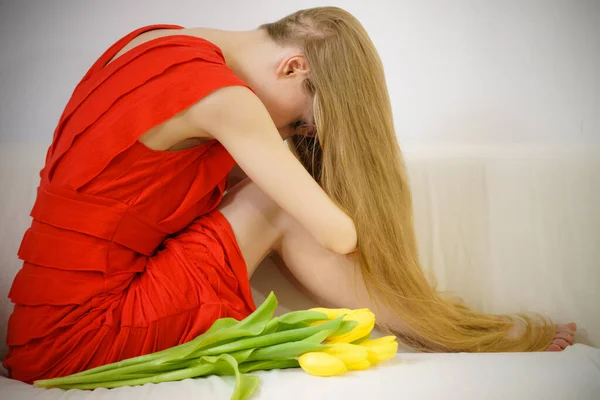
[229, 109]
[224, 114]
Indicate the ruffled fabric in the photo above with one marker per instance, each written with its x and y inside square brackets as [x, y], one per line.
[127, 253]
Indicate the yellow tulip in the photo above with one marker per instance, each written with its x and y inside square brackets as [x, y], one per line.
[366, 323]
[381, 349]
[321, 364]
[331, 313]
[350, 354]
[359, 366]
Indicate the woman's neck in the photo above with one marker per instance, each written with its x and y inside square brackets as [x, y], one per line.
[248, 53]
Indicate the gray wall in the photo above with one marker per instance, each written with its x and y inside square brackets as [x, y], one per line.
[461, 71]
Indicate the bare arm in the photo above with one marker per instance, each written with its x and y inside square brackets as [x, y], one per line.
[239, 120]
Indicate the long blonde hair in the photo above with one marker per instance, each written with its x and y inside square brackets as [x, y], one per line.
[355, 157]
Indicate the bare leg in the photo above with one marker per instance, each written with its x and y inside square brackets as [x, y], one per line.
[333, 280]
[261, 227]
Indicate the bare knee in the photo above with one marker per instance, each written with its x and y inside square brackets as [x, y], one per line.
[261, 226]
[246, 196]
[257, 221]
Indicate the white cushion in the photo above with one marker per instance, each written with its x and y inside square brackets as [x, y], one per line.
[573, 374]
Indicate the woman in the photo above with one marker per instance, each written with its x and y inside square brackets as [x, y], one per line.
[134, 247]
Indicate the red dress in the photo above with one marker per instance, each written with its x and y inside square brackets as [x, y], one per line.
[127, 253]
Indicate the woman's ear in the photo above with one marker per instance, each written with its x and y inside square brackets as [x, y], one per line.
[294, 66]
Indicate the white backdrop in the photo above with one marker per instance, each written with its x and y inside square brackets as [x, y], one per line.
[459, 71]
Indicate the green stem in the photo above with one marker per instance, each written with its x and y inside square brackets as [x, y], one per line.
[290, 350]
[200, 370]
[129, 361]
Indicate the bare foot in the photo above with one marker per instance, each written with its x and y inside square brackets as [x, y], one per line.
[565, 334]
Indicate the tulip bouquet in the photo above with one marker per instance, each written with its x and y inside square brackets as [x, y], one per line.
[323, 342]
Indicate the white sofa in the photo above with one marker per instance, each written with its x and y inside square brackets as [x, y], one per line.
[509, 229]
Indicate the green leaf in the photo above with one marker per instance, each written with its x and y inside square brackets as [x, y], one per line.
[345, 327]
[266, 365]
[245, 385]
[299, 319]
[242, 355]
[262, 314]
[272, 326]
[291, 350]
[222, 323]
[253, 325]
[307, 317]
[289, 327]
[273, 338]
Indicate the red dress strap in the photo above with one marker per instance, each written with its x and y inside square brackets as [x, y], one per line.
[113, 50]
[108, 55]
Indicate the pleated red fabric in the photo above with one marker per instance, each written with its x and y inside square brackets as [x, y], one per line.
[127, 253]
